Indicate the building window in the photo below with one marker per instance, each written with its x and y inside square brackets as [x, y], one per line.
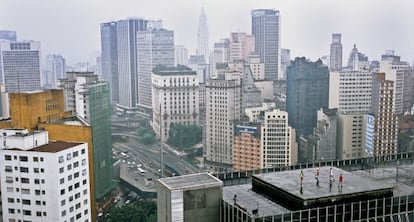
[7, 157]
[24, 180]
[23, 158]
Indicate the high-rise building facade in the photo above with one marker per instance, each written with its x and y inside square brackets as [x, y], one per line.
[241, 45]
[154, 47]
[285, 62]
[223, 105]
[386, 122]
[43, 180]
[279, 146]
[53, 70]
[109, 58]
[307, 92]
[395, 70]
[175, 94]
[336, 53]
[92, 103]
[266, 32]
[202, 37]
[181, 55]
[20, 65]
[246, 148]
[8, 35]
[126, 31]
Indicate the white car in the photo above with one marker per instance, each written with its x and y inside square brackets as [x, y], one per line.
[128, 201]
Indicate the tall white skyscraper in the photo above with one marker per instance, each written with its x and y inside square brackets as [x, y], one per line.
[109, 58]
[241, 45]
[20, 65]
[53, 70]
[336, 53]
[202, 36]
[154, 47]
[279, 146]
[266, 31]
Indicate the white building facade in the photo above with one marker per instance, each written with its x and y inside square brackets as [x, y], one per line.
[175, 94]
[43, 180]
[279, 147]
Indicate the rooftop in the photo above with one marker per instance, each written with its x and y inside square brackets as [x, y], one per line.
[190, 181]
[173, 70]
[54, 146]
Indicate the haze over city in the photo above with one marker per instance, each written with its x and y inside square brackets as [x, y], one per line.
[71, 28]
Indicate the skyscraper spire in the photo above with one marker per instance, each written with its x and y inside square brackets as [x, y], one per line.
[202, 35]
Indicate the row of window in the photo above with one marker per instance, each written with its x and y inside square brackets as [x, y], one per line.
[23, 158]
[69, 156]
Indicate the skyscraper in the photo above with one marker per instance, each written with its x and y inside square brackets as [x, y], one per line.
[53, 70]
[307, 92]
[223, 103]
[92, 103]
[109, 58]
[266, 31]
[386, 122]
[20, 65]
[202, 36]
[336, 52]
[241, 45]
[181, 55]
[8, 35]
[154, 47]
[126, 31]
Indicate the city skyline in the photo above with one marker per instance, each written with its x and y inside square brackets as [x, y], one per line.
[306, 27]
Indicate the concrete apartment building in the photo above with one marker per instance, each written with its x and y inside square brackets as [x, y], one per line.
[279, 147]
[246, 147]
[175, 98]
[223, 109]
[43, 180]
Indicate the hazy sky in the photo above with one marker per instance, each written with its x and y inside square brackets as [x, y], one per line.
[71, 27]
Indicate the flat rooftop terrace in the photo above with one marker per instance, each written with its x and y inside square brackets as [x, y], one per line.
[287, 188]
[190, 181]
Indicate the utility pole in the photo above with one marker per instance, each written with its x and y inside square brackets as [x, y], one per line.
[161, 144]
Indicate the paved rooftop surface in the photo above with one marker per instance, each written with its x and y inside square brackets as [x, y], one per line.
[251, 200]
[55, 146]
[191, 180]
[289, 181]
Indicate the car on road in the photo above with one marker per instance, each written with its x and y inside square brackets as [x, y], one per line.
[127, 201]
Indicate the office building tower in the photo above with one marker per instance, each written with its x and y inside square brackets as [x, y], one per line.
[284, 152]
[395, 70]
[202, 37]
[109, 58]
[53, 70]
[285, 61]
[221, 53]
[246, 147]
[223, 105]
[195, 197]
[8, 35]
[92, 103]
[241, 45]
[336, 53]
[181, 55]
[350, 91]
[20, 65]
[266, 32]
[175, 94]
[155, 47]
[43, 180]
[386, 122]
[307, 92]
[126, 31]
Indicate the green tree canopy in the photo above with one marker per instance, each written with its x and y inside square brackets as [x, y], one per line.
[142, 211]
[184, 136]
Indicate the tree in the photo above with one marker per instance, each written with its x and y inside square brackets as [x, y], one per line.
[184, 136]
[147, 135]
[142, 211]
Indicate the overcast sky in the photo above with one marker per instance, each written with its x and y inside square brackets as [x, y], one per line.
[71, 27]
